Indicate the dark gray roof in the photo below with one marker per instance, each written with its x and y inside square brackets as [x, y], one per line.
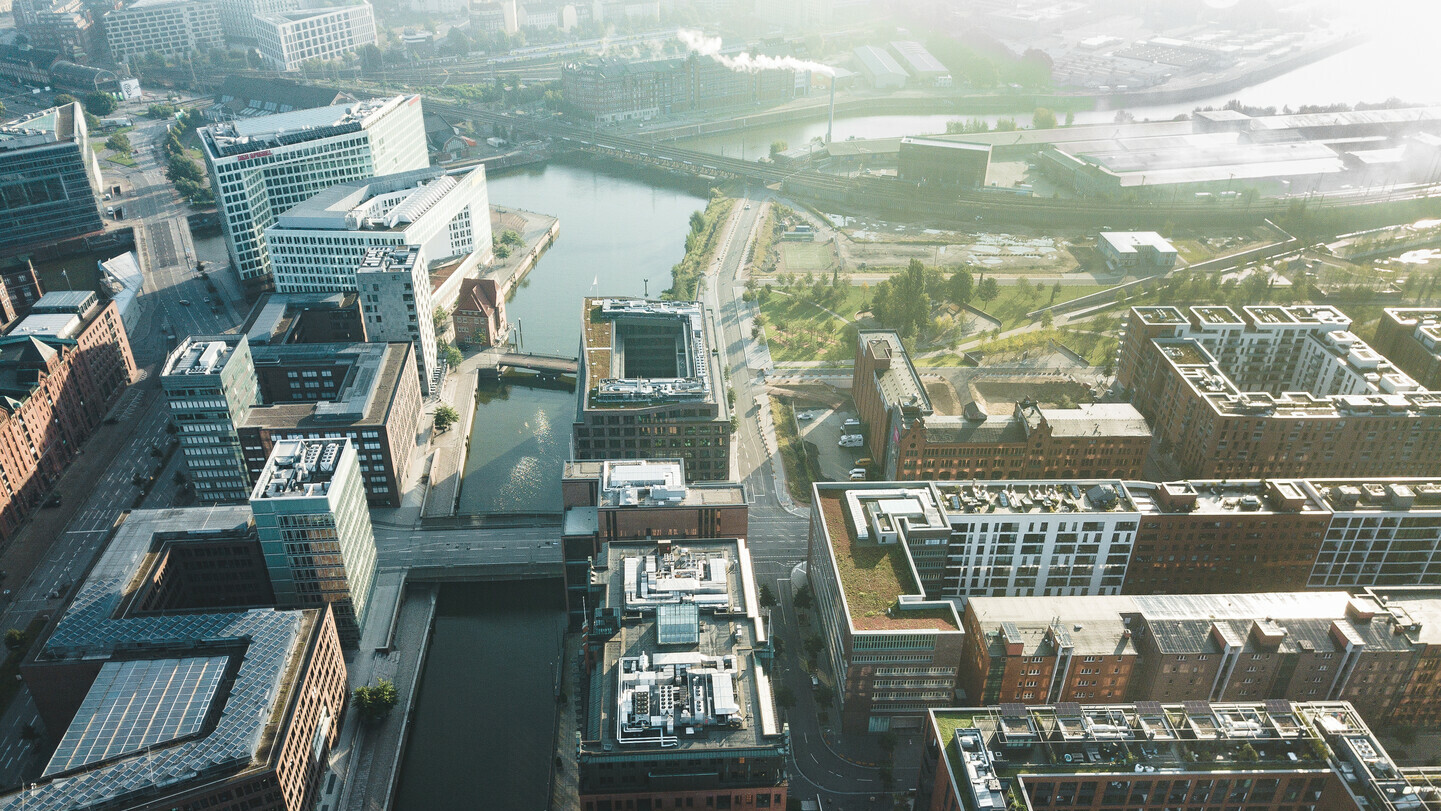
[959, 430]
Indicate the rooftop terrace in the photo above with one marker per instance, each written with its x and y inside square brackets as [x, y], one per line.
[639, 352]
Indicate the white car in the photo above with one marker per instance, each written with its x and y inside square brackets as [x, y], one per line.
[806, 415]
[858, 473]
[851, 441]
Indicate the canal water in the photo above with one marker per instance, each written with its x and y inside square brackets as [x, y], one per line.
[620, 233]
[484, 728]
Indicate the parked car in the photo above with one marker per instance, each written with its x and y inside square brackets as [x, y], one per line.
[851, 441]
[858, 473]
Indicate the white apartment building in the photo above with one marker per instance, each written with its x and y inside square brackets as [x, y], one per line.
[260, 167]
[290, 38]
[167, 27]
[316, 246]
[237, 17]
[395, 303]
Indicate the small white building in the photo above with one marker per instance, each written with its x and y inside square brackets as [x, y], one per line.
[291, 38]
[880, 68]
[1136, 250]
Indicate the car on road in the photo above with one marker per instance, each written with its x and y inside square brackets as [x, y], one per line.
[185, 302]
[807, 415]
[748, 207]
[53, 501]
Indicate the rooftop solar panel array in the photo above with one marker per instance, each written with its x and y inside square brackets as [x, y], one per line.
[136, 704]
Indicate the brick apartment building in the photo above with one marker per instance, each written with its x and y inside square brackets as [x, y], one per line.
[1262, 756]
[1301, 646]
[1070, 546]
[232, 704]
[61, 367]
[634, 500]
[1275, 391]
[911, 442]
[479, 315]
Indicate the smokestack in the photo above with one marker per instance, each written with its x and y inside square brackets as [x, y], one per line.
[831, 122]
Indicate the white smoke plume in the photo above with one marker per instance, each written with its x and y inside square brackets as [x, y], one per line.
[744, 62]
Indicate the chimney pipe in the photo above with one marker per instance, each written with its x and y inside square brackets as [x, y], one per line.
[831, 121]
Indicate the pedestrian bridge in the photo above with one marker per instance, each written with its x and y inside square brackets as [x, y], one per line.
[494, 363]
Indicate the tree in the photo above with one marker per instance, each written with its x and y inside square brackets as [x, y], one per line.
[446, 416]
[374, 703]
[988, 290]
[961, 287]
[14, 638]
[451, 355]
[100, 103]
[1247, 752]
[62, 99]
[697, 222]
[767, 597]
[825, 695]
[777, 147]
[119, 142]
[1047, 319]
[804, 597]
[1043, 119]
[370, 58]
[160, 110]
[785, 697]
[441, 319]
[2, 108]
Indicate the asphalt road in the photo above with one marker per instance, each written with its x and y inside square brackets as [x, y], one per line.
[777, 538]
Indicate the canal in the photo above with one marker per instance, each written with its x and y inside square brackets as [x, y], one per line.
[620, 233]
[483, 735]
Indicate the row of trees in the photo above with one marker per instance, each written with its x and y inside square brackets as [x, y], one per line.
[185, 173]
[904, 301]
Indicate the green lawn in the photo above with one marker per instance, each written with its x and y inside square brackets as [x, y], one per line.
[1013, 304]
[801, 257]
[798, 330]
[121, 158]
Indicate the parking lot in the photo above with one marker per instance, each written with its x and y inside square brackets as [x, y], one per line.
[824, 429]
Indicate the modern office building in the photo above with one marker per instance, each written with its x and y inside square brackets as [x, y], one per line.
[170, 681]
[305, 318]
[210, 386]
[50, 181]
[314, 528]
[266, 393]
[366, 392]
[393, 286]
[651, 387]
[317, 245]
[166, 27]
[289, 39]
[936, 163]
[1136, 251]
[892, 652]
[261, 167]
[636, 500]
[911, 441]
[61, 368]
[680, 706]
[1410, 337]
[237, 17]
[1256, 755]
[1275, 391]
[324, 245]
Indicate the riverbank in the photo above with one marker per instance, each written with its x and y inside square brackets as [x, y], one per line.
[850, 104]
[537, 231]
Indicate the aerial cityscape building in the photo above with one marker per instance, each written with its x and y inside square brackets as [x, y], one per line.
[166, 27]
[289, 39]
[50, 181]
[1275, 391]
[262, 167]
[649, 386]
[682, 700]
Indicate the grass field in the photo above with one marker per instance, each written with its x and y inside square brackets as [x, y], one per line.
[798, 330]
[1013, 303]
[805, 257]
